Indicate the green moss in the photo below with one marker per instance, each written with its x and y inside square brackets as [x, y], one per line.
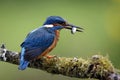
[95, 67]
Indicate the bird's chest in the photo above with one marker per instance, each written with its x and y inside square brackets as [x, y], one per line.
[57, 33]
[55, 40]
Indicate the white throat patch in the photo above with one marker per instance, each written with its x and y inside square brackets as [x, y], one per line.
[48, 26]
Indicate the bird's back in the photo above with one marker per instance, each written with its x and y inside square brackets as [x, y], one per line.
[37, 42]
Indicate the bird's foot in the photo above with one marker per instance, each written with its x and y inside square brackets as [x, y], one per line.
[50, 56]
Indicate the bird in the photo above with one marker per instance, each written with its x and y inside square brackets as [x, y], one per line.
[39, 42]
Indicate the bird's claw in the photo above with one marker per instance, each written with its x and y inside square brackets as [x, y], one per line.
[50, 56]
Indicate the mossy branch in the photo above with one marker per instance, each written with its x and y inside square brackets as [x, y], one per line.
[97, 66]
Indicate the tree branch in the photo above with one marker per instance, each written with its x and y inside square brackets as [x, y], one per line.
[97, 66]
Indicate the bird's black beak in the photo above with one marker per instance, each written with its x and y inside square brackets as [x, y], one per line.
[73, 28]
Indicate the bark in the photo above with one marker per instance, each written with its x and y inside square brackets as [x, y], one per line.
[97, 66]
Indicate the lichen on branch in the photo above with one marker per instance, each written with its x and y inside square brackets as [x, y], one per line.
[97, 66]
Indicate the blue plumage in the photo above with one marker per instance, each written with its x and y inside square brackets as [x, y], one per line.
[36, 42]
[42, 40]
[23, 62]
[54, 19]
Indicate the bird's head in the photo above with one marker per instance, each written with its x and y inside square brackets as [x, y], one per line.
[58, 23]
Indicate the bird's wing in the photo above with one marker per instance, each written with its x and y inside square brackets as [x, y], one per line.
[36, 43]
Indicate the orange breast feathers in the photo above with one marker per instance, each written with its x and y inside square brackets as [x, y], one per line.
[57, 32]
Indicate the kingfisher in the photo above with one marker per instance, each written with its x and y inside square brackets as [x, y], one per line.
[42, 40]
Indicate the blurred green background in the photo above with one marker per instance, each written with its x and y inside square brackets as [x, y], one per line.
[99, 18]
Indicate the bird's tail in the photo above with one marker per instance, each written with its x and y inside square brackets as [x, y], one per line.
[23, 63]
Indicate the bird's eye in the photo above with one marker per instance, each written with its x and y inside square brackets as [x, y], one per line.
[61, 23]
